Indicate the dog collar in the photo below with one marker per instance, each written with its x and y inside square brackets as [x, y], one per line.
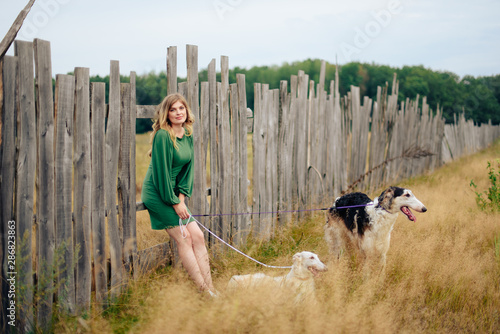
[381, 207]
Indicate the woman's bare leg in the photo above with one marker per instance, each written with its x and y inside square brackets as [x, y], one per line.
[200, 251]
[187, 255]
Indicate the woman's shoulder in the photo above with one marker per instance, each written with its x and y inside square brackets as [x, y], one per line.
[162, 135]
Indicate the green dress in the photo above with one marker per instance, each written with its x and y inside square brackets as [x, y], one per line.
[169, 174]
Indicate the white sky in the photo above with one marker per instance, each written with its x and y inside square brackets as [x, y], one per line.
[461, 36]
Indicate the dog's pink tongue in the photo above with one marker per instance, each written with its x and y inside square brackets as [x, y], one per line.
[408, 213]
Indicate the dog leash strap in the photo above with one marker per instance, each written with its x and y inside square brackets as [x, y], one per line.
[282, 211]
[352, 206]
[237, 250]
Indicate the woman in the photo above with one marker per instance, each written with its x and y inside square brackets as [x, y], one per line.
[169, 180]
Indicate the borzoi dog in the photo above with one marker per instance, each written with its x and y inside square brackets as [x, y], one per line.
[299, 281]
[356, 222]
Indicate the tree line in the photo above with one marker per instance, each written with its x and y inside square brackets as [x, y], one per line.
[478, 98]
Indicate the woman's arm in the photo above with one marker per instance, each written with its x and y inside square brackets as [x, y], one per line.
[161, 161]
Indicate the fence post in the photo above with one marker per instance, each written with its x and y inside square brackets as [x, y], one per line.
[82, 191]
[171, 70]
[25, 182]
[124, 186]
[45, 180]
[111, 168]
[98, 205]
[224, 148]
[234, 231]
[258, 160]
[64, 109]
[133, 189]
[244, 223]
[212, 116]
[8, 104]
[199, 198]
[300, 159]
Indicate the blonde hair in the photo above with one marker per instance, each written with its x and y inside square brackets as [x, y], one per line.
[162, 122]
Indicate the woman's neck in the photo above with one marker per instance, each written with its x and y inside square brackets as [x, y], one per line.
[178, 131]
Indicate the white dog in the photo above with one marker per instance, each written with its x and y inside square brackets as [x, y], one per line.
[300, 279]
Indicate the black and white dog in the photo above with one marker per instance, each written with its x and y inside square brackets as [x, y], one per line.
[357, 222]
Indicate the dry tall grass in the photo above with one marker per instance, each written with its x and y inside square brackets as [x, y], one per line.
[443, 275]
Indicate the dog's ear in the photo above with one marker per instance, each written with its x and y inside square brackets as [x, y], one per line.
[297, 258]
[386, 197]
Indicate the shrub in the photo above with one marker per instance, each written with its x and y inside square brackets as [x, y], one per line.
[490, 199]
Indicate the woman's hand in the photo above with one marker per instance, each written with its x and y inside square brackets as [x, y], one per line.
[181, 208]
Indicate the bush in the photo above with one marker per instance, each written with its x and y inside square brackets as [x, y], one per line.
[490, 199]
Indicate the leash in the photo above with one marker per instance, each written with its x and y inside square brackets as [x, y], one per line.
[184, 234]
[233, 248]
[280, 211]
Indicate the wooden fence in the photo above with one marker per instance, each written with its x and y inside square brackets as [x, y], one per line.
[68, 167]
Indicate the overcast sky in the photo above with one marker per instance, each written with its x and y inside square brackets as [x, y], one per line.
[460, 36]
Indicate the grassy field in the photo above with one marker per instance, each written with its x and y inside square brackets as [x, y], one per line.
[443, 275]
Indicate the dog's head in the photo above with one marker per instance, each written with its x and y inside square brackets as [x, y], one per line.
[308, 261]
[395, 199]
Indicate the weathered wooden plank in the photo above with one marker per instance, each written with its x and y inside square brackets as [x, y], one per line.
[171, 70]
[301, 132]
[266, 228]
[212, 116]
[235, 161]
[330, 142]
[354, 109]
[258, 159]
[25, 180]
[146, 111]
[244, 222]
[98, 93]
[321, 143]
[63, 134]
[377, 140]
[182, 88]
[3, 226]
[294, 139]
[281, 125]
[343, 133]
[286, 132]
[390, 125]
[363, 145]
[8, 103]
[82, 191]
[198, 200]
[45, 177]
[111, 168]
[193, 80]
[204, 118]
[124, 184]
[312, 181]
[151, 258]
[439, 140]
[274, 152]
[14, 29]
[219, 194]
[225, 170]
[132, 198]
